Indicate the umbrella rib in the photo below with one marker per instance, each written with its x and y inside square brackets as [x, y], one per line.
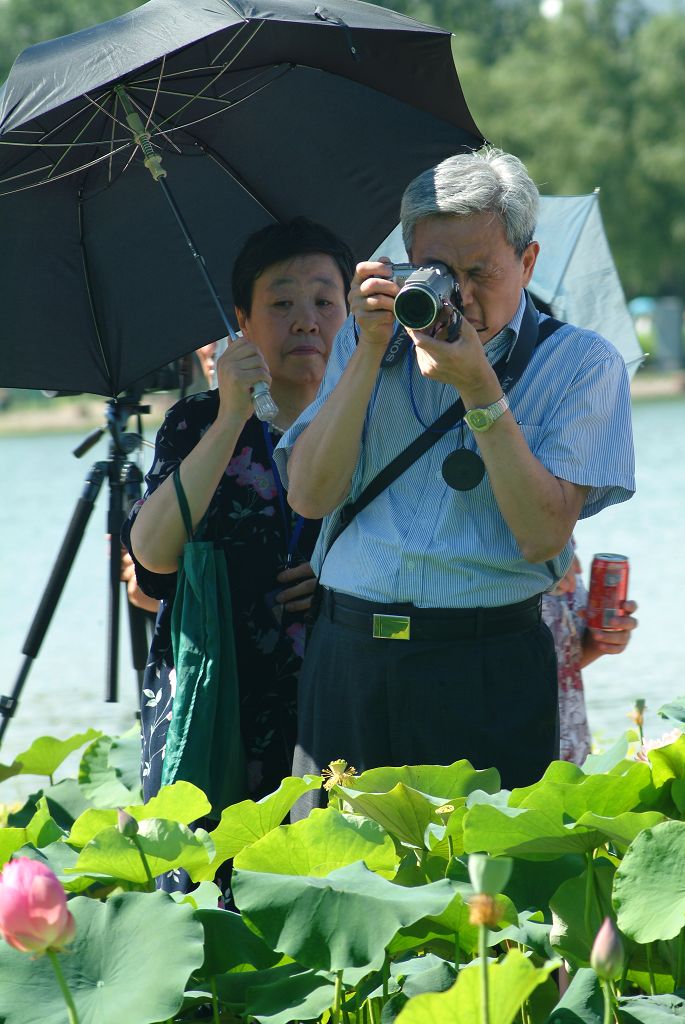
[233, 40]
[199, 95]
[159, 84]
[227, 169]
[148, 115]
[89, 291]
[236, 103]
[70, 145]
[111, 142]
[56, 177]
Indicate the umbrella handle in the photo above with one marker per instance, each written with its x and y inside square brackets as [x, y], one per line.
[264, 406]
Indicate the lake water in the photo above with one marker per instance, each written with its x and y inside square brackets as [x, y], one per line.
[64, 691]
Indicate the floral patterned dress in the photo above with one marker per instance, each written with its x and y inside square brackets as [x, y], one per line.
[565, 616]
[247, 518]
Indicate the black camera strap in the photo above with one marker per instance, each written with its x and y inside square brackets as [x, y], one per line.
[508, 369]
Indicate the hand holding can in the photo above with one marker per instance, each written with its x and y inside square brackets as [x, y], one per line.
[608, 591]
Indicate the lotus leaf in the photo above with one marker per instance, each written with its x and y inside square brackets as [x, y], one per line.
[510, 982]
[664, 1009]
[343, 920]
[444, 782]
[99, 780]
[403, 812]
[47, 753]
[649, 888]
[582, 1003]
[181, 802]
[108, 978]
[166, 845]
[280, 995]
[244, 823]
[319, 844]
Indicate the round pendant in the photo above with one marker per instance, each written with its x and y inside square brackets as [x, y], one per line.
[463, 470]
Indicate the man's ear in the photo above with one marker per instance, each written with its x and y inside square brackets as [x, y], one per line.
[529, 258]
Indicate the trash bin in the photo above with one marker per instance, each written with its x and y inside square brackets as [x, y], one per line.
[668, 328]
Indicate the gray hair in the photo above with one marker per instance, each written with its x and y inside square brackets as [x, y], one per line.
[487, 181]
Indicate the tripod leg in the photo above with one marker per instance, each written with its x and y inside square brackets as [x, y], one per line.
[54, 587]
[115, 519]
[137, 618]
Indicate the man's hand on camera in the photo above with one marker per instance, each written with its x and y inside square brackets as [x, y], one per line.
[297, 596]
[372, 298]
[461, 363]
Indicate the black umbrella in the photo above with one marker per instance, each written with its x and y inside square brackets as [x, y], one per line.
[256, 111]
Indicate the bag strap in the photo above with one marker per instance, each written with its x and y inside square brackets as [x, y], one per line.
[183, 503]
[430, 436]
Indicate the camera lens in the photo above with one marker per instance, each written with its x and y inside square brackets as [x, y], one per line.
[416, 307]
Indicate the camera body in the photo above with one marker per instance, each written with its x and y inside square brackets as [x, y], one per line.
[425, 293]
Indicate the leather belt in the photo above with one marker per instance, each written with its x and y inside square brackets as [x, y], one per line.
[405, 622]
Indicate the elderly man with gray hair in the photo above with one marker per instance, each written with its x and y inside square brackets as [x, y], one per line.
[428, 646]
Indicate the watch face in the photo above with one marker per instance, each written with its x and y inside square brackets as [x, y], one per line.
[478, 419]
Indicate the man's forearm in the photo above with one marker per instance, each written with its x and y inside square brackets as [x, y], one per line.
[539, 509]
[323, 460]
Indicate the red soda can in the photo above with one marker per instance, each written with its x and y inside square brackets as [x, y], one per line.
[608, 589]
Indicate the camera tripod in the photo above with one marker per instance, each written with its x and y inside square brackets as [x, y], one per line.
[124, 480]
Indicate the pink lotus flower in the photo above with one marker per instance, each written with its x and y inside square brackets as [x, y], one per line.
[607, 956]
[33, 908]
[662, 741]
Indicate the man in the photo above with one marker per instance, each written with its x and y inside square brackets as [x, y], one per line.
[476, 677]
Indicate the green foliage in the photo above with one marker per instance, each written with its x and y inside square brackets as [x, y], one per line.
[648, 893]
[511, 982]
[109, 979]
[364, 910]
[589, 99]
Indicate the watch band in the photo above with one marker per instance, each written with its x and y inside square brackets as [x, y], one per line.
[480, 419]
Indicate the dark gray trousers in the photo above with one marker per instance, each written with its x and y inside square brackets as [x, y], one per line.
[373, 702]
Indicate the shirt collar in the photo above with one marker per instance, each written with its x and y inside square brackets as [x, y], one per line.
[500, 344]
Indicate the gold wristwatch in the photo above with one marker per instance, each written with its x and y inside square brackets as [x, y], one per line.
[482, 419]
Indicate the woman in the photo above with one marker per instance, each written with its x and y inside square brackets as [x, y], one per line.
[576, 646]
[289, 285]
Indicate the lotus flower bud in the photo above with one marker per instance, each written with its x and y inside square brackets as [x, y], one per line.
[489, 875]
[127, 825]
[607, 956]
[33, 908]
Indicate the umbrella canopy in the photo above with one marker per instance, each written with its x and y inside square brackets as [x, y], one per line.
[259, 111]
[575, 272]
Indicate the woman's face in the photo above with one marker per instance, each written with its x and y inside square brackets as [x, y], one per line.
[298, 307]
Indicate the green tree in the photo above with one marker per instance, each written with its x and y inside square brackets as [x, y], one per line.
[22, 24]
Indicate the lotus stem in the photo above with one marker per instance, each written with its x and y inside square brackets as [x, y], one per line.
[215, 1002]
[680, 959]
[588, 896]
[484, 992]
[337, 1001]
[386, 977]
[71, 1008]
[146, 866]
[608, 1003]
[650, 969]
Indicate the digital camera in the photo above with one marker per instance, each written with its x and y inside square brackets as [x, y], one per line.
[425, 293]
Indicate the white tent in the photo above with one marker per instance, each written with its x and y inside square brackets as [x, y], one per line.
[575, 272]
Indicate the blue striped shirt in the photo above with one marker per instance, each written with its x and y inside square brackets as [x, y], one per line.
[420, 541]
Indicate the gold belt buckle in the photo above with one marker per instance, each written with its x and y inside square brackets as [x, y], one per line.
[391, 627]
